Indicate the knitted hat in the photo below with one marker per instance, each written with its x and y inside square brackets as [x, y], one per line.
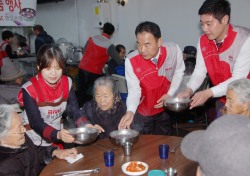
[190, 50]
[9, 72]
[223, 148]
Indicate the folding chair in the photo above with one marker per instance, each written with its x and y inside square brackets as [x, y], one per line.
[121, 83]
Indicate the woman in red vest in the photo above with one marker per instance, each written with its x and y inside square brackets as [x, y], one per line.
[46, 96]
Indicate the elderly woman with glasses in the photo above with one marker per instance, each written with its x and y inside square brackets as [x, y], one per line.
[238, 97]
[106, 109]
[18, 154]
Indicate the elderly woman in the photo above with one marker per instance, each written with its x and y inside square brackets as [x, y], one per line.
[106, 109]
[18, 154]
[238, 97]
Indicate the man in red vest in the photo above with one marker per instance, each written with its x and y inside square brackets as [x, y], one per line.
[96, 54]
[153, 72]
[223, 53]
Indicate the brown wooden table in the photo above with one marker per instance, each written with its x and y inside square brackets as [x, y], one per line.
[145, 150]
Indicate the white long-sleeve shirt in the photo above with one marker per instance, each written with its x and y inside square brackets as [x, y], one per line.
[241, 69]
[133, 83]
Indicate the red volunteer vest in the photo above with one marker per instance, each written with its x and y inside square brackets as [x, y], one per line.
[94, 57]
[220, 63]
[3, 52]
[154, 82]
[41, 96]
[51, 102]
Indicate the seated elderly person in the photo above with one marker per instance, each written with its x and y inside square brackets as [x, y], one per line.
[18, 154]
[222, 149]
[238, 97]
[106, 109]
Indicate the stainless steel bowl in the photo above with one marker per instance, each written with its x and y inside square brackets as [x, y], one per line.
[176, 104]
[84, 135]
[119, 137]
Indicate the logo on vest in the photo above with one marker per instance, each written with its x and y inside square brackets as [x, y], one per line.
[54, 111]
[138, 70]
[203, 49]
[231, 58]
[168, 69]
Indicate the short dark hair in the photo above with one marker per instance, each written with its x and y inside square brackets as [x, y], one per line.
[108, 28]
[217, 8]
[7, 35]
[38, 27]
[150, 27]
[47, 53]
[119, 48]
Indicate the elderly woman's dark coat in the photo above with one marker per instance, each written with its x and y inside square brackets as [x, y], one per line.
[28, 160]
[108, 120]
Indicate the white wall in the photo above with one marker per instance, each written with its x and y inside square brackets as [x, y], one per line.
[178, 19]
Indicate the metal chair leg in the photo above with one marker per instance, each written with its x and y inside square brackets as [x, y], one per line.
[176, 124]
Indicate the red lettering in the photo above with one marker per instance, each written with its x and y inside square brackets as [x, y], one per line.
[1, 18]
[170, 68]
[50, 112]
[1, 5]
[13, 4]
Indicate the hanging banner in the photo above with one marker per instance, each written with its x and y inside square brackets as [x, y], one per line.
[17, 12]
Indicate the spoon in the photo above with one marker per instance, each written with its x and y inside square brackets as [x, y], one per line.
[96, 170]
[173, 148]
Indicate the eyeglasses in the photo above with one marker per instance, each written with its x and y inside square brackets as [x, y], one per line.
[16, 132]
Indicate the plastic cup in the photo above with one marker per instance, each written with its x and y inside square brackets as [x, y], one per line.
[109, 158]
[127, 148]
[156, 173]
[163, 151]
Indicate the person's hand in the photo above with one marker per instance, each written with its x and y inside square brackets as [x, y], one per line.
[200, 98]
[89, 125]
[65, 136]
[185, 93]
[62, 154]
[99, 128]
[161, 100]
[126, 120]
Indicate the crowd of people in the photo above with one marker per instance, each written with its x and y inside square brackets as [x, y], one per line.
[154, 72]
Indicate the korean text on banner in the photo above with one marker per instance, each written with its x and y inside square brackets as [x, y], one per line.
[17, 12]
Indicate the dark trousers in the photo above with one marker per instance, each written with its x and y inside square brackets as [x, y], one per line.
[159, 124]
[85, 80]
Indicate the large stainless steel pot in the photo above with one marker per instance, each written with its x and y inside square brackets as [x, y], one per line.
[64, 47]
[75, 54]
